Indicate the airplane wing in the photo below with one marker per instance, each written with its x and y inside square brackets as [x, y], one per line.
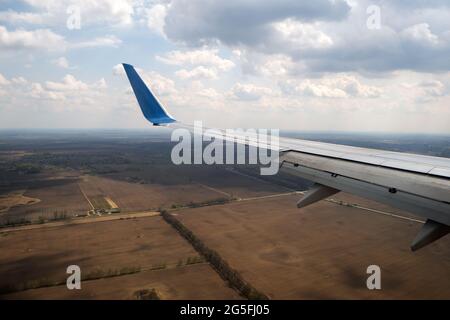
[415, 183]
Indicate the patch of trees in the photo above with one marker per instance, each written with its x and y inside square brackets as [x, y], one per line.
[47, 282]
[227, 273]
[205, 203]
[57, 216]
[26, 168]
[104, 162]
[147, 294]
[14, 223]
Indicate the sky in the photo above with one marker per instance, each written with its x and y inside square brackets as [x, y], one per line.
[326, 65]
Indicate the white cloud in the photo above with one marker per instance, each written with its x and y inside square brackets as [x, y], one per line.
[38, 92]
[19, 80]
[310, 88]
[69, 83]
[111, 12]
[70, 88]
[199, 72]
[246, 22]
[107, 41]
[3, 80]
[45, 39]
[206, 62]
[321, 36]
[276, 65]
[100, 84]
[258, 64]
[434, 88]
[202, 57]
[156, 16]
[62, 62]
[161, 85]
[352, 86]
[302, 34]
[36, 39]
[14, 17]
[118, 70]
[420, 33]
[333, 86]
[249, 91]
[209, 93]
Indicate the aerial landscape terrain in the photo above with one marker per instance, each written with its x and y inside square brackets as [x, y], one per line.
[224, 159]
[140, 227]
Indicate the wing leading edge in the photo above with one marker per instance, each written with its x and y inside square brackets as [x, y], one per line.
[415, 183]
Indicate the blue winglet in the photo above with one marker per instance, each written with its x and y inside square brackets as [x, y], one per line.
[151, 108]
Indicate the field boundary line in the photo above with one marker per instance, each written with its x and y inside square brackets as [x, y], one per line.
[86, 197]
[132, 272]
[83, 220]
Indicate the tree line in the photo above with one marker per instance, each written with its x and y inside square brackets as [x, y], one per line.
[227, 273]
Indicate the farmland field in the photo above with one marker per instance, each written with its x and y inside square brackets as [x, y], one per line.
[321, 251]
[44, 254]
[196, 281]
[56, 197]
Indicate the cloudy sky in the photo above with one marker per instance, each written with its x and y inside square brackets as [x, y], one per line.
[343, 65]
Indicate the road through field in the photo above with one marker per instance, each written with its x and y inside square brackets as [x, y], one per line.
[82, 221]
[92, 219]
[365, 209]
